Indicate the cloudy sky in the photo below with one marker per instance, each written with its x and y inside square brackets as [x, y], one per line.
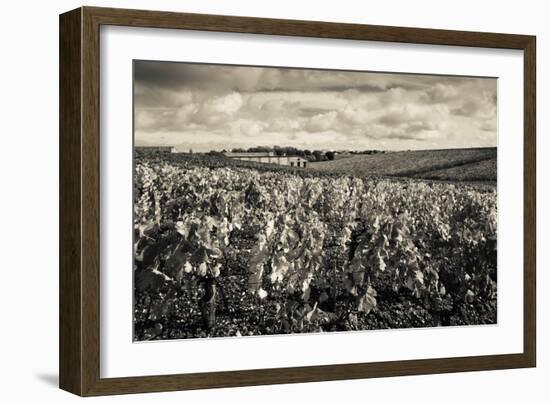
[214, 107]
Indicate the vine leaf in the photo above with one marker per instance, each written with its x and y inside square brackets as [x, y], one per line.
[368, 301]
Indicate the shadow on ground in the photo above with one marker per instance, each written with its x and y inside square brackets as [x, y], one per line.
[49, 379]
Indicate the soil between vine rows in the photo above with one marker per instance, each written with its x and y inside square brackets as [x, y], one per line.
[238, 313]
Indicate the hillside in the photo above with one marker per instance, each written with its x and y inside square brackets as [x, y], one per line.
[466, 164]
[485, 170]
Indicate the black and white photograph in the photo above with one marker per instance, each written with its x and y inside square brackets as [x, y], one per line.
[274, 201]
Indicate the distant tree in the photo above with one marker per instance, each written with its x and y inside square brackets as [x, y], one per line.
[307, 152]
[290, 151]
[330, 155]
[259, 149]
[319, 155]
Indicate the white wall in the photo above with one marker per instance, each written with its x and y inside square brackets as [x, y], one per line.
[29, 91]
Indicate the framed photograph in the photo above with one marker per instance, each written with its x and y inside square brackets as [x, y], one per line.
[249, 201]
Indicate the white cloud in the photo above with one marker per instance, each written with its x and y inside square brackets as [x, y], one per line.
[224, 107]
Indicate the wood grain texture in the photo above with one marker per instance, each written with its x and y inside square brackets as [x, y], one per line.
[70, 274]
[90, 202]
[80, 201]
[530, 202]
[316, 29]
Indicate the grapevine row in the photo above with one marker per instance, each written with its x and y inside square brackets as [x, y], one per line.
[317, 240]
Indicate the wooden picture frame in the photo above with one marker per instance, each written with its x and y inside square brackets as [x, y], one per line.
[79, 201]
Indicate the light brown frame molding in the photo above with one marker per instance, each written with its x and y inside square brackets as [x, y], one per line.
[79, 201]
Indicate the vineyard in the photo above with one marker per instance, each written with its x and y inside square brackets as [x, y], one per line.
[459, 164]
[229, 250]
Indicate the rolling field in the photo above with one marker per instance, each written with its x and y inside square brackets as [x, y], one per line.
[238, 251]
[485, 170]
[468, 164]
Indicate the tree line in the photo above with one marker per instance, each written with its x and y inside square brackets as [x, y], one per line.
[311, 155]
